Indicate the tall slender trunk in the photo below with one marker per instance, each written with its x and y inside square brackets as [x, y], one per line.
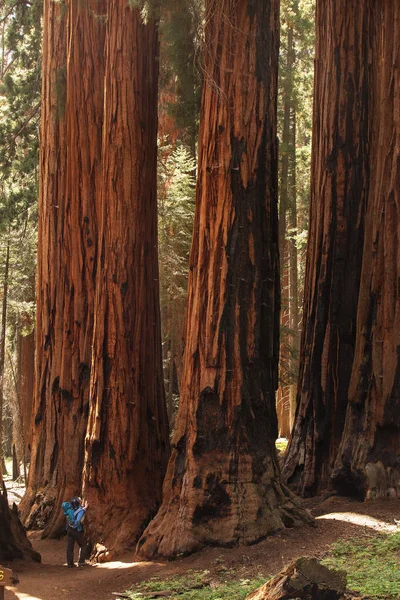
[18, 438]
[283, 396]
[294, 338]
[339, 189]
[223, 483]
[73, 76]
[3, 347]
[25, 380]
[368, 462]
[127, 443]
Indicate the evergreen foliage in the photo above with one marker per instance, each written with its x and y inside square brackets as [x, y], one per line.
[20, 88]
[296, 82]
[181, 35]
[176, 212]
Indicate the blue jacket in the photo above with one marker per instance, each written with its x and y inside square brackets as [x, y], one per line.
[74, 518]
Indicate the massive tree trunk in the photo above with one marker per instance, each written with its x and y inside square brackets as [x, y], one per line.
[223, 482]
[127, 445]
[70, 174]
[368, 462]
[340, 177]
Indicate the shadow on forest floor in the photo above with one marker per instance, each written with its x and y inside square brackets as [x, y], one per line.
[339, 518]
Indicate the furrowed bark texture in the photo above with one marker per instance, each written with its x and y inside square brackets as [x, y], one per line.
[51, 211]
[25, 371]
[283, 392]
[340, 178]
[13, 540]
[71, 161]
[294, 338]
[223, 483]
[369, 457]
[3, 348]
[127, 445]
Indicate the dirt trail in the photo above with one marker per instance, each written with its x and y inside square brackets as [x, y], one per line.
[337, 518]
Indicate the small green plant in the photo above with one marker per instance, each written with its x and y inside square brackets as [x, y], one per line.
[372, 565]
[198, 585]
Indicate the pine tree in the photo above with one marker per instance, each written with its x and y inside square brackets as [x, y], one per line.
[175, 224]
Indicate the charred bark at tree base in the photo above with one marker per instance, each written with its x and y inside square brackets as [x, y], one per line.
[219, 508]
[38, 507]
[13, 541]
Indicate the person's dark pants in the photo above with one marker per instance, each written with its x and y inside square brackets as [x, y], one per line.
[76, 536]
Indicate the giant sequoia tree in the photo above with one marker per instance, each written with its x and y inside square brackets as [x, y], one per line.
[339, 189]
[223, 483]
[127, 443]
[72, 108]
[369, 454]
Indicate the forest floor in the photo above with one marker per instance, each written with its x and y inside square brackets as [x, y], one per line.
[337, 519]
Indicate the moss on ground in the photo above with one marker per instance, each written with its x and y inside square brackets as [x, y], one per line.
[198, 585]
[372, 565]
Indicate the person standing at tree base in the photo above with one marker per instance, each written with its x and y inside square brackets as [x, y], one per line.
[74, 513]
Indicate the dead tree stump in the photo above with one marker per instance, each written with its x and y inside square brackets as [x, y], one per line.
[304, 579]
[13, 540]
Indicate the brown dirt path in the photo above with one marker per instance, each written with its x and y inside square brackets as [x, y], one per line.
[338, 518]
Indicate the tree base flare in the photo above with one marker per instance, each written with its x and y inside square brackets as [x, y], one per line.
[186, 525]
[13, 541]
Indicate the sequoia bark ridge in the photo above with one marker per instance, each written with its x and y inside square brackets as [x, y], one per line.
[223, 483]
[73, 83]
[368, 462]
[339, 191]
[127, 443]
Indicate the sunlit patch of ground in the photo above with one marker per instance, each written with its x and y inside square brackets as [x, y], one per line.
[362, 521]
[118, 565]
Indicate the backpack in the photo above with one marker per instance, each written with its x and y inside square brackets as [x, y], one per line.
[73, 517]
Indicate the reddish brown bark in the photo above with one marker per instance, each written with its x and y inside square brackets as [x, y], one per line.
[223, 484]
[3, 347]
[13, 540]
[283, 392]
[368, 462]
[70, 166]
[25, 370]
[340, 177]
[127, 443]
[304, 578]
[294, 338]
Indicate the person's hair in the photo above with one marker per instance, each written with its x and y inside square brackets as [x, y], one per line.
[76, 502]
